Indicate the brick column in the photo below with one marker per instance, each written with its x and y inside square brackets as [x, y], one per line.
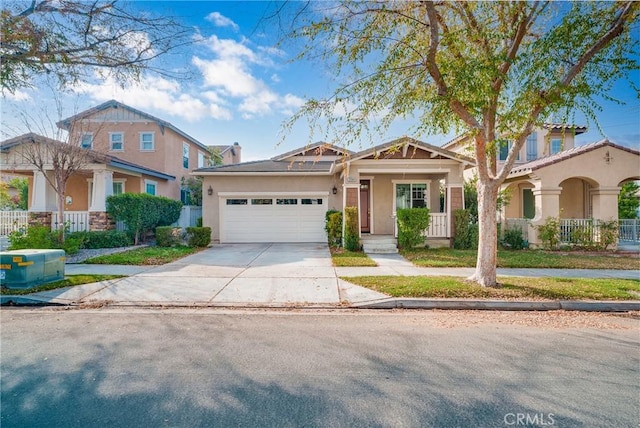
[40, 218]
[100, 220]
[351, 198]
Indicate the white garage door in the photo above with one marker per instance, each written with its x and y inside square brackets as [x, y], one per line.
[281, 218]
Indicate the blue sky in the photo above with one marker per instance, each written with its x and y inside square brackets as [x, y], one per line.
[243, 88]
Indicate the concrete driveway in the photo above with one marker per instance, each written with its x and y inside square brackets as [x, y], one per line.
[229, 274]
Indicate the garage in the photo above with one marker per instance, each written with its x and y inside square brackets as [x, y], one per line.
[278, 217]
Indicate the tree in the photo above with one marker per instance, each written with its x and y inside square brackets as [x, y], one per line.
[629, 200]
[494, 70]
[74, 39]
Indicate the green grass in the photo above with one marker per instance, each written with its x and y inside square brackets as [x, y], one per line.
[68, 281]
[145, 256]
[445, 257]
[511, 287]
[344, 258]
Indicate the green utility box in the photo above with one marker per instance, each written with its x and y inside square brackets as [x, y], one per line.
[28, 268]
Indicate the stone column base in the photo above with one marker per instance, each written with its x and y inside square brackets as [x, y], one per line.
[40, 218]
[100, 220]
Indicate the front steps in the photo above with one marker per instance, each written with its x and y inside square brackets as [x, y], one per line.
[379, 244]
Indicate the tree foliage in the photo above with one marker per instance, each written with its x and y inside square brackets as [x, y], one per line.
[73, 39]
[494, 70]
[629, 200]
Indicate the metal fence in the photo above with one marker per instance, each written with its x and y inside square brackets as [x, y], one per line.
[629, 230]
[77, 221]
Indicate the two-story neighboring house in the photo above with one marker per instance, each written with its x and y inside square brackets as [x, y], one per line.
[129, 151]
[552, 177]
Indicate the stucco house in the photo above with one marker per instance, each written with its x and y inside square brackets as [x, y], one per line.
[129, 151]
[284, 199]
[554, 178]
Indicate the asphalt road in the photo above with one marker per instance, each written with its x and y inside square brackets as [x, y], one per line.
[214, 368]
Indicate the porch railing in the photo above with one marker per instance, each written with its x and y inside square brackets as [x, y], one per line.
[437, 225]
[78, 221]
[629, 230]
[11, 221]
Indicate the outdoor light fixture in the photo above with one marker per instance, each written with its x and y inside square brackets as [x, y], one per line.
[210, 190]
[334, 190]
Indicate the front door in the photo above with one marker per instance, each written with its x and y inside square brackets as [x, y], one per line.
[365, 214]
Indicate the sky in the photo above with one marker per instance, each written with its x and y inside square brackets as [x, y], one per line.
[243, 88]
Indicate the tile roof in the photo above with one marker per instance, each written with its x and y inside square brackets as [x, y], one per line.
[566, 154]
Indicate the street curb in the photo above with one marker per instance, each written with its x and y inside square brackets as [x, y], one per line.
[501, 305]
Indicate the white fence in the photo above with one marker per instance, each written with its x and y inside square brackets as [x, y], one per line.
[189, 216]
[629, 230]
[78, 221]
[13, 220]
[437, 225]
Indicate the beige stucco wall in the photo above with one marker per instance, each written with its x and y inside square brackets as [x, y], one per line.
[298, 183]
[572, 198]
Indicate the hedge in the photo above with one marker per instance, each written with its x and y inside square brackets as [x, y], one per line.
[198, 236]
[412, 225]
[333, 227]
[351, 235]
[168, 236]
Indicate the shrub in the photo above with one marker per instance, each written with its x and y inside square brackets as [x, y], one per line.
[514, 239]
[351, 235]
[412, 224]
[608, 234]
[333, 226]
[198, 236]
[168, 236]
[102, 239]
[466, 231]
[549, 233]
[41, 237]
[199, 222]
[142, 212]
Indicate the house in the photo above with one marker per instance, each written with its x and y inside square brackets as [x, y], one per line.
[138, 137]
[285, 199]
[554, 178]
[127, 151]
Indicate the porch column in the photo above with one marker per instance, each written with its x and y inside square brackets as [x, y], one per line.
[605, 203]
[44, 197]
[102, 187]
[455, 199]
[547, 204]
[351, 199]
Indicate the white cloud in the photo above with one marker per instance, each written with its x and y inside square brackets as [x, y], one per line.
[156, 94]
[17, 95]
[220, 20]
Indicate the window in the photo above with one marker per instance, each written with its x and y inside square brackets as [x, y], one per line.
[118, 187]
[532, 146]
[311, 201]
[185, 155]
[287, 201]
[261, 201]
[116, 140]
[556, 145]
[146, 141]
[412, 195]
[200, 160]
[86, 141]
[236, 202]
[185, 196]
[150, 187]
[504, 151]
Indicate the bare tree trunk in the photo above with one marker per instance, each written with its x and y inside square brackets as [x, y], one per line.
[485, 274]
[61, 225]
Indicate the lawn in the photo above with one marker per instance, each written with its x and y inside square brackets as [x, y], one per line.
[344, 258]
[445, 257]
[145, 256]
[68, 281]
[511, 288]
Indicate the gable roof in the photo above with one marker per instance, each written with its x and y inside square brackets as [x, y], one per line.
[66, 123]
[270, 166]
[316, 148]
[564, 155]
[97, 156]
[399, 142]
